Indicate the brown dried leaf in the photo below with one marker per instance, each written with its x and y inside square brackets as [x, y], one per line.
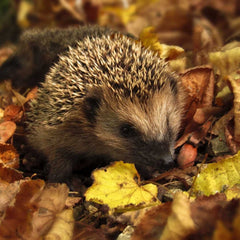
[16, 223]
[153, 223]
[175, 25]
[48, 203]
[85, 232]
[229, 136]
[32, 94]
[206, 38]
[9, 175]
[167, 221]
[63, 226]
[203, 114]
[133, 217]
[221, 5]
[91, 11]
[52, 198]
[13, 113]
[194, 132]
[72, 201]
[220, 129]
[200, 133]
[7, 129]
[30, 209]
[9, 156]
[8, 192]
[198, 127]
[208, 211]
[221, 232]
[195, 220]
[222, 123]
[180, 223]
[199, 85]
[55, 13]
[20, 99]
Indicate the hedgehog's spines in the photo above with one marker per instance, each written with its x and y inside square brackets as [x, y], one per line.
[81, 67]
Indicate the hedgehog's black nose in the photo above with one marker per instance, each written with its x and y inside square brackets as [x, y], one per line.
[167, 160]
[160, 154]
[167, 157]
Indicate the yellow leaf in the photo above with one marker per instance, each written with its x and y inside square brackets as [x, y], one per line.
[224, 96]
[225, 62]
[62, 227]
[233, 192]
[125, 14]
[24, 8]
[179, 223]
[234, 80]
[216, 177]
[117, 187]
[149, 39]
[178, 65]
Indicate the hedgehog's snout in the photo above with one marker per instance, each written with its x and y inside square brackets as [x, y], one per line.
[163, 159]
[154, 157]
[157, 154]
[169, 161]
[166, 157]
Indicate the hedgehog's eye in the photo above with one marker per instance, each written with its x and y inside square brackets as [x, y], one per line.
[127, 130]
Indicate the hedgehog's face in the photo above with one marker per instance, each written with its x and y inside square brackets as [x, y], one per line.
[142, 133]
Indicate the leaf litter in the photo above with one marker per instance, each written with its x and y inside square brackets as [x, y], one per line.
[198, 201]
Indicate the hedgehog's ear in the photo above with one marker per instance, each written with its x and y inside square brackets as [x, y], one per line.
[91, 103]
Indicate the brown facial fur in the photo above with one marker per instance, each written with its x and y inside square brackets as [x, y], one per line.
[156, 121]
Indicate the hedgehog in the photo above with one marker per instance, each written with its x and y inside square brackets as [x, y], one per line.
[106, 97]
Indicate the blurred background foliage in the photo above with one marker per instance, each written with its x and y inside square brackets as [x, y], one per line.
[191, 24]
[9, 29]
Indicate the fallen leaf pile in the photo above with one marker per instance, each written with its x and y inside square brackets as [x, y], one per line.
[198, 200]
